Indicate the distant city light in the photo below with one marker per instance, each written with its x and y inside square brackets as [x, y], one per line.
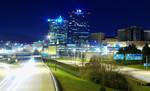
[48, 20]
[79, 11]
[59, 20]
[97, 49]
[48, 36]
[15, 44]
[74, 50]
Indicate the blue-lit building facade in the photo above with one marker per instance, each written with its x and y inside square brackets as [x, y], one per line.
[72, 37]
[78, 28]
[57, 34]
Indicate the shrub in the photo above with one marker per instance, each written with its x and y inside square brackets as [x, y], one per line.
[93, 70]
[104, 74]
[117, 81]
[102, 88]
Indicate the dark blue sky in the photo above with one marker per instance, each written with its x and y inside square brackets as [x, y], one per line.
[28, 17]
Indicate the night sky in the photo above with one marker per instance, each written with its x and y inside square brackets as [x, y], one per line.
[25, 20]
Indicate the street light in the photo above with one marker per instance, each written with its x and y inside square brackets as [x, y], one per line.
[48, 37]
[98, 50]
[48, 20]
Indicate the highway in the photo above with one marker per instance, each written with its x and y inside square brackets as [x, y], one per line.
[26, 76]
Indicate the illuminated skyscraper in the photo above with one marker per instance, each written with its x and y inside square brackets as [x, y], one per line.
[78, 28]
[57, 31]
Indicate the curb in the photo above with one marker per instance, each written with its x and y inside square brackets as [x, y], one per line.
[53, 78]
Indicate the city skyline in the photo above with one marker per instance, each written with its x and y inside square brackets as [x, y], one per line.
[74, 45]
[30, 18]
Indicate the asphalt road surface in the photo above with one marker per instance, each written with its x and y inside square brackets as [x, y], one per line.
[28, 76]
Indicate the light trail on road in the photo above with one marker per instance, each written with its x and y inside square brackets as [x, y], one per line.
[29, 76]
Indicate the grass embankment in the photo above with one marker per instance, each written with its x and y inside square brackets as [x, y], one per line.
[71, 82]
[137, 87]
